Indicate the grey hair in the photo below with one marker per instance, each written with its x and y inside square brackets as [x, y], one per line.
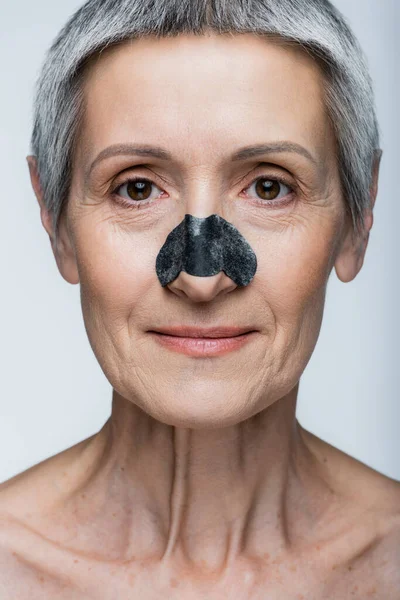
[316, 25]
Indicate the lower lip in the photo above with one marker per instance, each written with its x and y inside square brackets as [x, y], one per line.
[203, 346]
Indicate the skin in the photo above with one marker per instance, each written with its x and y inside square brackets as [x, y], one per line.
[202, 481]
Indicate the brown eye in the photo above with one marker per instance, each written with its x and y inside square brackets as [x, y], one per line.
[139, 189]
[267, 189]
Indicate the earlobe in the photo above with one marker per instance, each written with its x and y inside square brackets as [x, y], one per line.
[62, 247]
[350, 257]
[65, 255]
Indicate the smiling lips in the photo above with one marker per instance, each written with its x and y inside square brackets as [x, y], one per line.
[210, 341]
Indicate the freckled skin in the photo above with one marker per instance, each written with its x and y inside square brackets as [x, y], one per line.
[202, 483]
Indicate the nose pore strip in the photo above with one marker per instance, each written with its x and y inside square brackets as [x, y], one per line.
[204, 247]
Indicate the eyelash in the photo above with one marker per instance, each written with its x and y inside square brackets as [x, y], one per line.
[140, 203]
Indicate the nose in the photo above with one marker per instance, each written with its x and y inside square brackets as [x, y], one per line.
[201, 289]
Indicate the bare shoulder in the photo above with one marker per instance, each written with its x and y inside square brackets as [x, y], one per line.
[38, 488]
[386, 558]
[352, 478]
[14, 576]
[24, 565]
[374, 508]
[25, 500]
[21, 498]
[380, 560]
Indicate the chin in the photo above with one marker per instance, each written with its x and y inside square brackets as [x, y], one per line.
[201, 404]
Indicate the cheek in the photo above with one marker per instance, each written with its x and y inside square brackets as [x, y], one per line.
[115, 270]
[295, 269]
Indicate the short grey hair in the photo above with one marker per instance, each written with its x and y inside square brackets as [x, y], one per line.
[315, 25]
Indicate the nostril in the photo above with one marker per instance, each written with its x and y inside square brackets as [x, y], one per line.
[201, 289]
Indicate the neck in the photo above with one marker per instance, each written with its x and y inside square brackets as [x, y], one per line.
[204, 497]
[190, 500]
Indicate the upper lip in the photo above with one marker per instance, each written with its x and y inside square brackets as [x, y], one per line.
[203, 332]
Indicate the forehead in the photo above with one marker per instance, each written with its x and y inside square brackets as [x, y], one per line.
[205, 92]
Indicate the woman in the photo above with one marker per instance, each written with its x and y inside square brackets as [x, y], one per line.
[201, 168]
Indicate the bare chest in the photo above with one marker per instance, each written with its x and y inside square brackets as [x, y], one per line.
[77, 579]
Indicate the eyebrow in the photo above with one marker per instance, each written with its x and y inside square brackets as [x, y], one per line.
[272, 148]
[128, 150]
[240, 155]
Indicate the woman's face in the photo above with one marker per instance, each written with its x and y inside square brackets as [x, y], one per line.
[202, 99]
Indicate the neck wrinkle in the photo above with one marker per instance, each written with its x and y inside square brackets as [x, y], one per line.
[200, 500]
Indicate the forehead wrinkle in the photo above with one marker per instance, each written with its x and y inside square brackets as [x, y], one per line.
[241, 154]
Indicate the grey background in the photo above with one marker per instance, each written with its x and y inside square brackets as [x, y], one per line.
[53, 392]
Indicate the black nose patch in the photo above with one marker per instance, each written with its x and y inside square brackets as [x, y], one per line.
[205, 247]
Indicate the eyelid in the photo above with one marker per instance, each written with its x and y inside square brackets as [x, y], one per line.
[131, 203]
[267, 171]
[122, 180]
[277, 178]
[128, 175]
[134, 173]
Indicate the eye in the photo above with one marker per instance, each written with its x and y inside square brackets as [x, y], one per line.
[268, 189]
[137, 190]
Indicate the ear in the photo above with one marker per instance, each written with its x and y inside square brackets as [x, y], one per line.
[351, 255]
[63, 249]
